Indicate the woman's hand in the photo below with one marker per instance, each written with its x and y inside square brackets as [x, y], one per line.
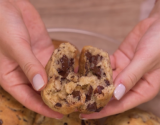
[25, 48]
[136, 67]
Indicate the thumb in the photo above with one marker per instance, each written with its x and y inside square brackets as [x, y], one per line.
[30, 65]
[131, 74]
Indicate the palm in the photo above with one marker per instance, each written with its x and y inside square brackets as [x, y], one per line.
[147, 86]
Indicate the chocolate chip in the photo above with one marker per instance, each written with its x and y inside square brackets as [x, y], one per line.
[99, 109]
[97, 71]
[62, 79]
[57, 77]
[76, 94]
[92, 107]
[89, 94]
[65, 124]
[83, 122]
[64, 61]
[71, 62]
[18, 117]
[66, 65]
[87, 69]
[107, 82]
[61, 72]
[12, 109]
[72, 77]
[1, 122]
[25, 120]
[89, 56]
[98, 90]
[93, 60]
[58, 105]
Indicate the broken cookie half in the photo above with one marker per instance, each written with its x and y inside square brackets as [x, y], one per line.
[87, 91]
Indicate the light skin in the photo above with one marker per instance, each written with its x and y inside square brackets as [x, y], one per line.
[25, 48]
[136, 66]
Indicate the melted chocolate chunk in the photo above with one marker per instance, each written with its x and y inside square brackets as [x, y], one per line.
[98, 90]
[1, 122]
[71, 62]
[65, 123]
[89, 94]
[97, 71]
[66, 65]
[61, 72]
[92, 107]
[64, 61]
[93, 60]
[99, 109]
[76, 94]
[89, 56]
[83, 122]
[87, 69]
[58, 105]
[107, 82]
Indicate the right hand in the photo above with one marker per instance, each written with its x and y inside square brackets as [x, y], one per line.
[25, 48]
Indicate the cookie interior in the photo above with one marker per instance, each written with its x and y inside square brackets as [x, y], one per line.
[86, 91]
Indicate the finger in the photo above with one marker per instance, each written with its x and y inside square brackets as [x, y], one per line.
[17, 47]
[35, 26]
[140, 64]
[30, 65]
[41, 43]
[129, 45]
[144, 91]
[112, 59]
[122, 57]
[29, 98]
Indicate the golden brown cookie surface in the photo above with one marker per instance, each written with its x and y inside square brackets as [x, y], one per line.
[133, 117]
[12, 112]
[71, 119]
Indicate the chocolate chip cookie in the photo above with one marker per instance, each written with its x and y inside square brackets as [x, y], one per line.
[133, 117]
[96, 77]
[87, 91]
[12, 112]
[71, 119]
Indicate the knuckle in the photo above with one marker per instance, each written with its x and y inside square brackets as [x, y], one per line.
[28, 67]
[132, 79]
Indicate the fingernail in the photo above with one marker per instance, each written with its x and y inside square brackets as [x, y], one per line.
[82, 117]
[119, 91]
[38, 82]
